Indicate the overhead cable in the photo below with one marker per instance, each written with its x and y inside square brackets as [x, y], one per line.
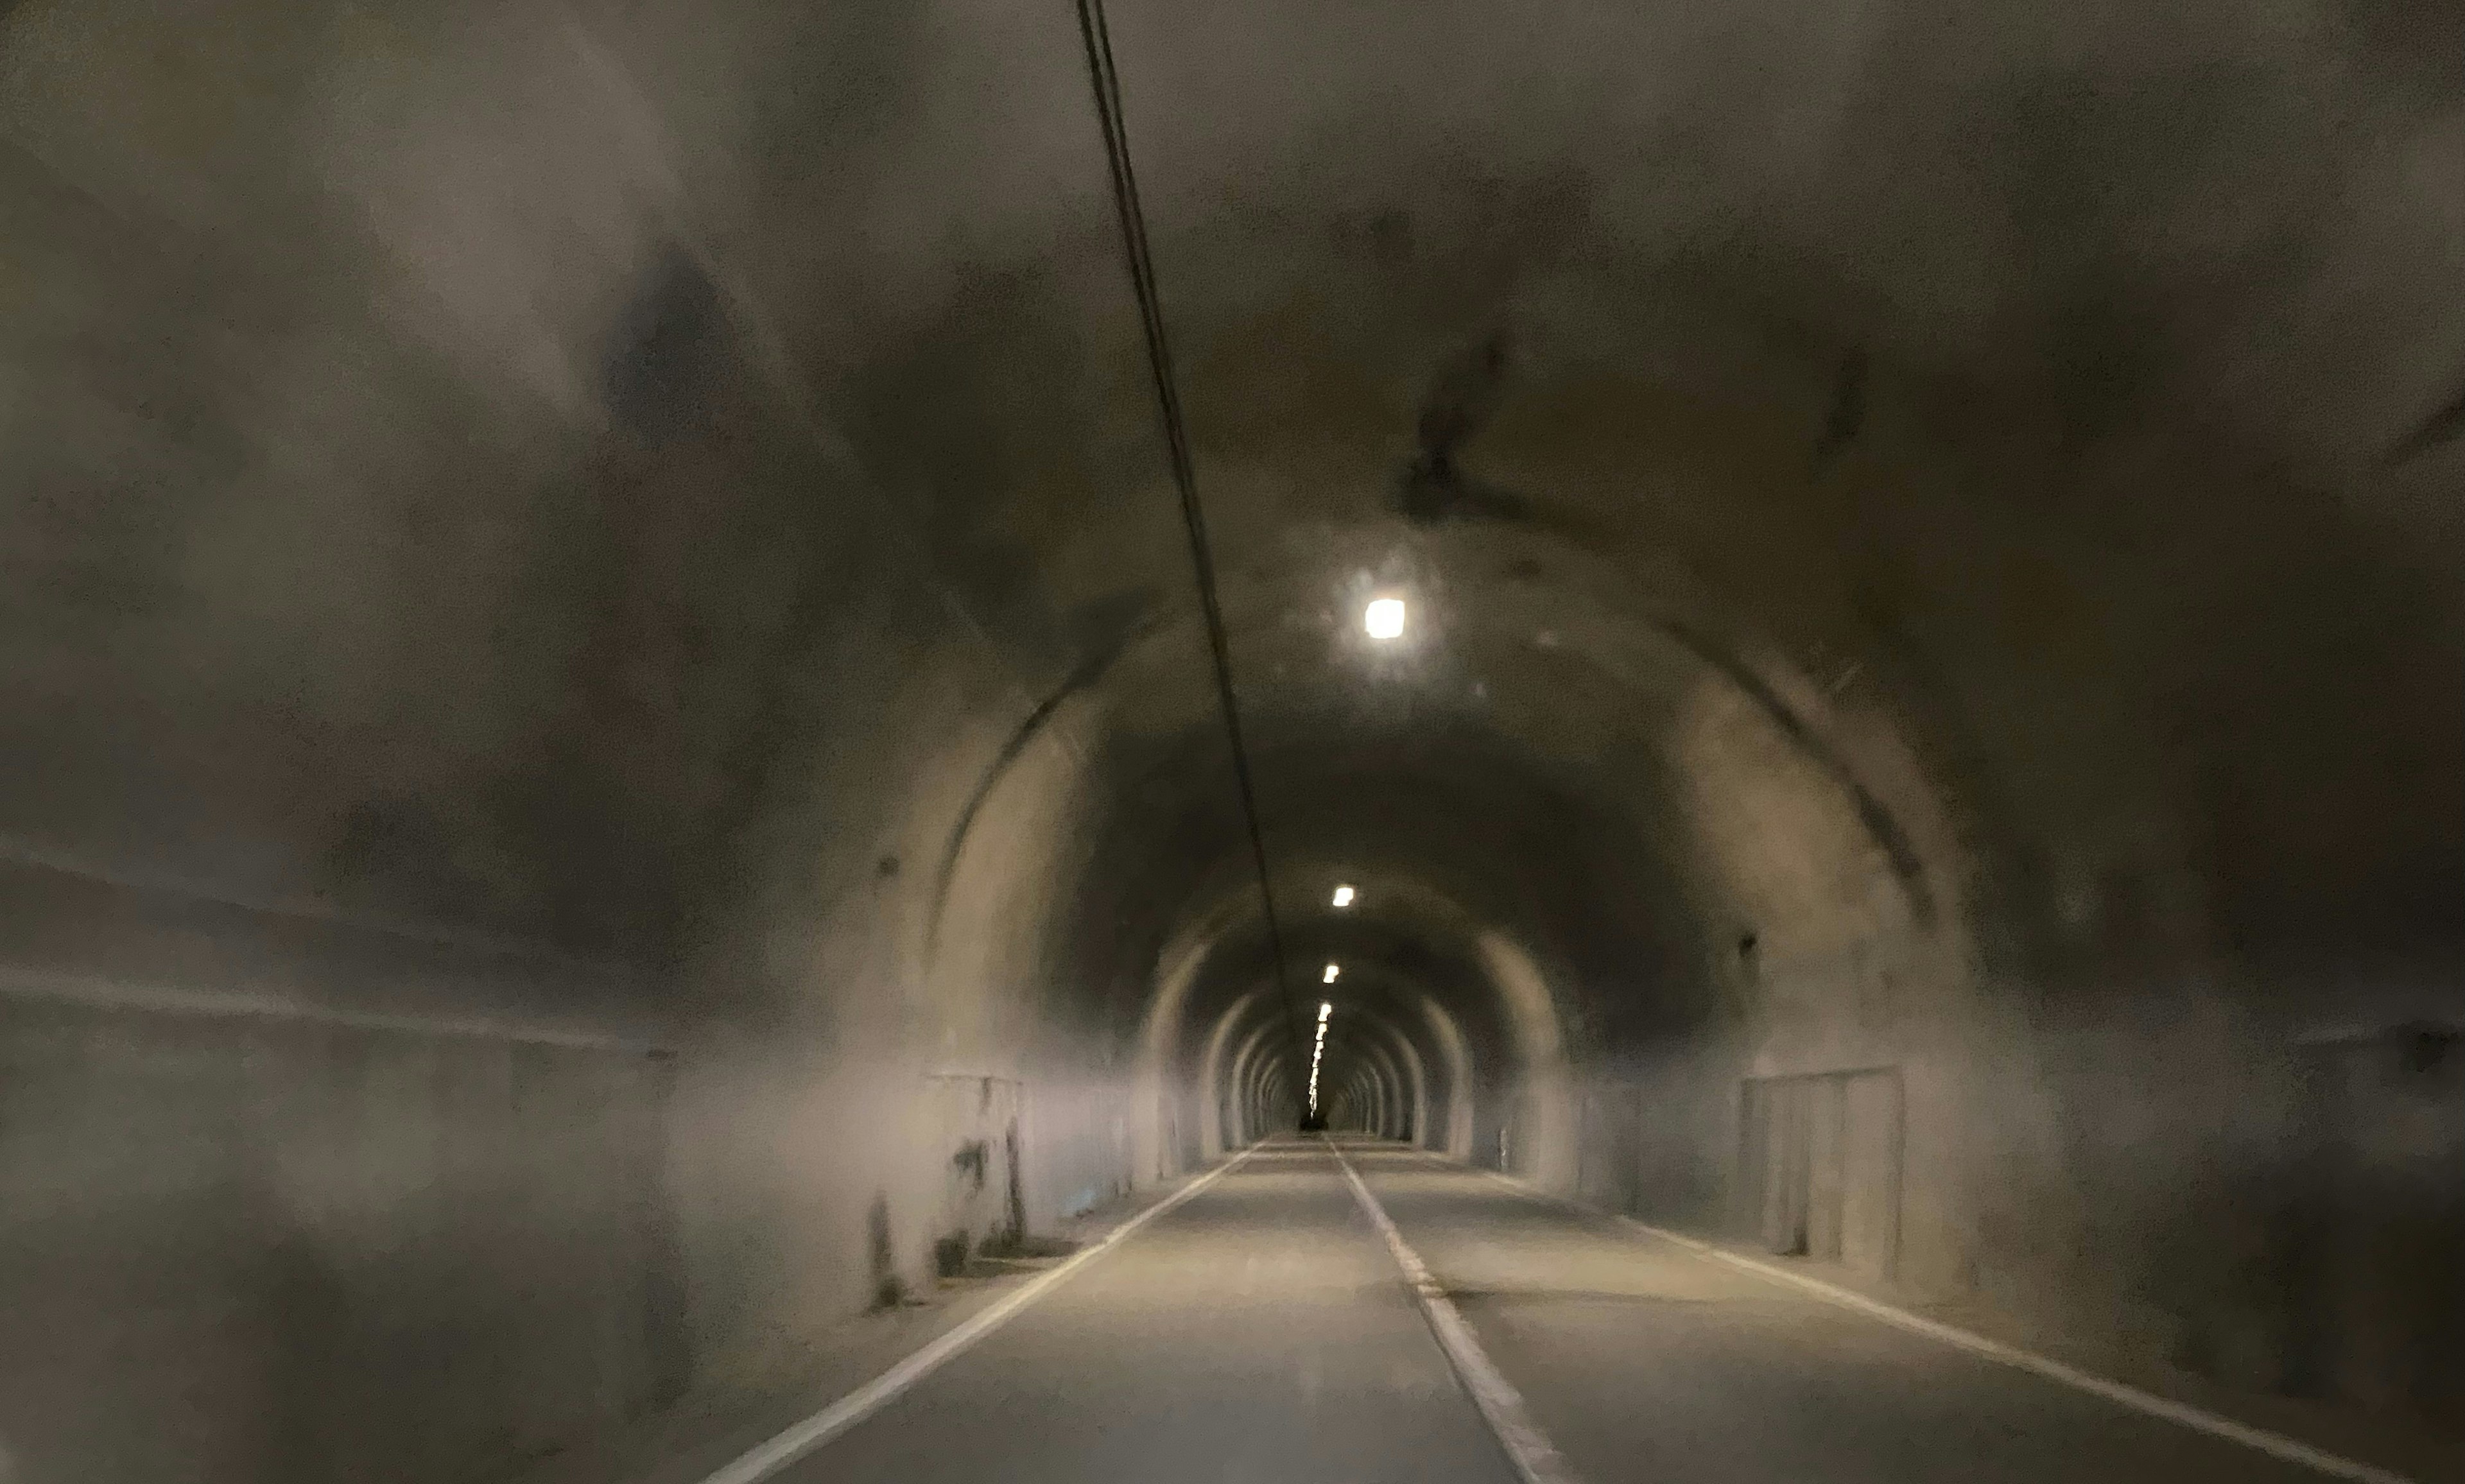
[1107, 85]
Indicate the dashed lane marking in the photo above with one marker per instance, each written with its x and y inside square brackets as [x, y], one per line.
[1536, 1459]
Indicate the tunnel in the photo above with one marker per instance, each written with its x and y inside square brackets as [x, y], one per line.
[694, 694]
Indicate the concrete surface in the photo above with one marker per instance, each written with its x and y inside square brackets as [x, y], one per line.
[1262, 1332]
[1643, 1360]
[1258, 1333]
[688, 1442]
[348, 1203]
[538, 533]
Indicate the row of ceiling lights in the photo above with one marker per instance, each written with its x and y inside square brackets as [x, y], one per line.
[1318, 1051]
[1382, 619]
[1343, 896]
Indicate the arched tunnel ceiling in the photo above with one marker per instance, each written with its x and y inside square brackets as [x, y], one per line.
[598, 655]
[1513, 755]
[1907, 389]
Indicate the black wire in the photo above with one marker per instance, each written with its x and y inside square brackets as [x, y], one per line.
[1107, 84]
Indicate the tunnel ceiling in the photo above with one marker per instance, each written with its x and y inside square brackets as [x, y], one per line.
[528, 467]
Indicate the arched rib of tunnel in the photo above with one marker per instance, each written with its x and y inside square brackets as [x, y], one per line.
[610, 761]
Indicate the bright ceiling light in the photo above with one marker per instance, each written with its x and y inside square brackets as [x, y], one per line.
[1344, 896]
[1328, 977]
[1384, 619]
[1325, 1009]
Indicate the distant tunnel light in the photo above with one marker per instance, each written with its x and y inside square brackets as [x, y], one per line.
[1318, 1048]
[1384, 619]
[1328, 977]
[1344, 896]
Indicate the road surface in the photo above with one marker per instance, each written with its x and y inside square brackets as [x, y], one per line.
[1263, 1332]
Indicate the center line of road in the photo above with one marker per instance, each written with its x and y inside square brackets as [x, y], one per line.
[769, 1458]
[2198, 1418]
[1536, 1460]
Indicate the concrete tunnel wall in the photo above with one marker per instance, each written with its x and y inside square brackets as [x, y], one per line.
[602, 695]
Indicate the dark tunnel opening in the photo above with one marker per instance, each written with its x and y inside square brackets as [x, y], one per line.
[615, 807]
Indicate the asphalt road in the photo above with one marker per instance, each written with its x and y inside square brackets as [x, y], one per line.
[1262, 1333]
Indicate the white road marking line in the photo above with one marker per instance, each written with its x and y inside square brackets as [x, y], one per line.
[804, 1438]
[1536, 1459]
[2275, 1444]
